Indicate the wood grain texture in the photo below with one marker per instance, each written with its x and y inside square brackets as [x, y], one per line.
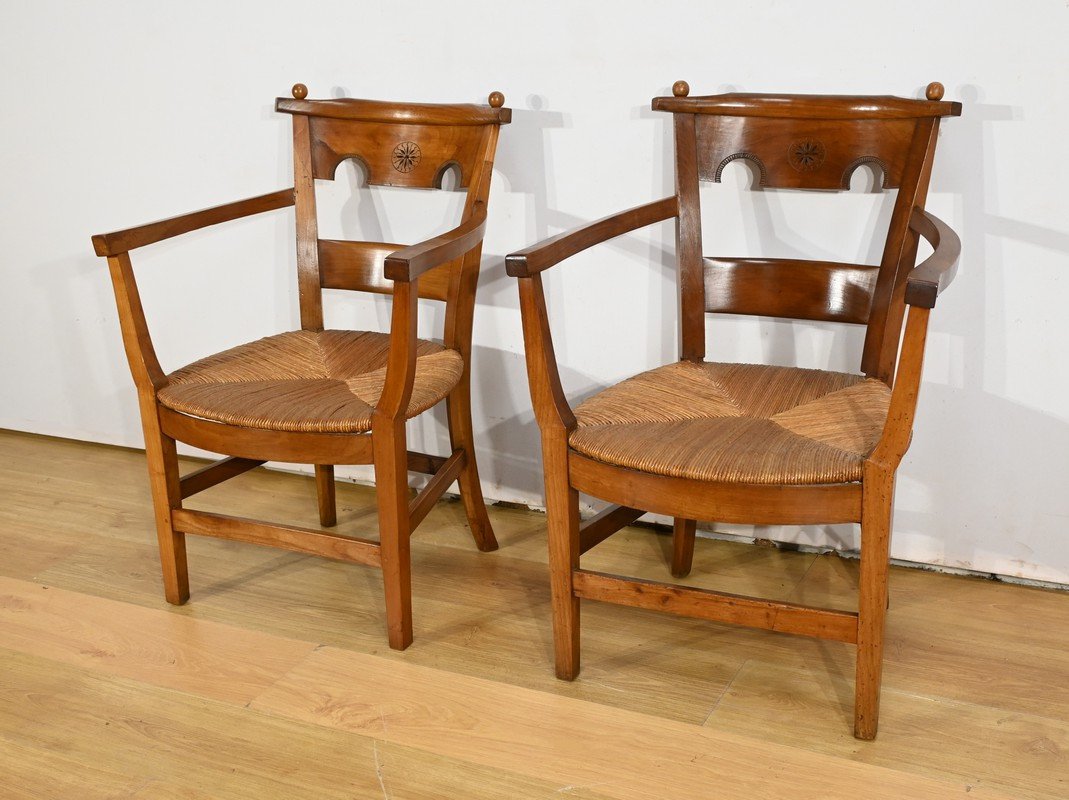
[790, 288]
[770, 504]
[416, 156]
[489, 724]
[794, 151]
[645, 444]
[171, 650]
[358, 266]
[112, 244]
[604, 524]
[1019, 754]
[811, 106]
[286, 537]
[971, 696]
[215, 473]
[265, 445]
[386, 112]
[717, 606]
[683, 532]
[929, 278]
[122, 738]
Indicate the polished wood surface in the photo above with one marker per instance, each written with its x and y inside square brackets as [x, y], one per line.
[393, 113]
[112, 244]
[811, 106]
[359, 266]
[935, 273]
[790, 288]
[397, 144]
[280, 687]
[810, 142]
[531, 260]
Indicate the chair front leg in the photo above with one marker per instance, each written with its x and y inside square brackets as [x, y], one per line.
[390, 452]
[471, 493]
[562, 517]
[328, 507]
[164, 480]
[876, 509]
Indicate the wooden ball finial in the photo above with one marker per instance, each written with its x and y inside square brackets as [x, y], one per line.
[300, 91]
[496, 99]
[680, 88]
[934, 91]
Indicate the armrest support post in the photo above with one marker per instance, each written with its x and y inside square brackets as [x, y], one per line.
[145, 367]
[898, 429]
[551, 407]
[401, 362]
[552, 410]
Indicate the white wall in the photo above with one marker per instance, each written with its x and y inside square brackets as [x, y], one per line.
[117, 113]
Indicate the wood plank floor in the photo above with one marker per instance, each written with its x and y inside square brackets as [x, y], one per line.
[275, 679]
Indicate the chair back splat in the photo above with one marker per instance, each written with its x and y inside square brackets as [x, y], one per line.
[404, 145]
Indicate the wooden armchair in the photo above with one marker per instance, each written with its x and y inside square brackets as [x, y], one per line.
[746, 443]
[330, 397]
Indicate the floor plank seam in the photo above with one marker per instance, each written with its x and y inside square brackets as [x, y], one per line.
[723, 694]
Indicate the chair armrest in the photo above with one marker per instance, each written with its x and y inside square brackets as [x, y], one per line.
[934, 274]
[532, 260]
[410, 262]
[112, 244]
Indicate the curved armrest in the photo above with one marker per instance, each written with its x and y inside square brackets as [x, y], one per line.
[532, 260]
[112, 244]
[410, 262]
[935, 273]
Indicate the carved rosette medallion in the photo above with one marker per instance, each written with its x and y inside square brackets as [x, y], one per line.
[806, 155]
[406, 156]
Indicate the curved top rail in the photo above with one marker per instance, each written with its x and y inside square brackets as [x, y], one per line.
[808, 106]
[400, 113]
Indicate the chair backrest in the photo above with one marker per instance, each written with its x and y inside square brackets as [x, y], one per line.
[398, 144]
[803, 142]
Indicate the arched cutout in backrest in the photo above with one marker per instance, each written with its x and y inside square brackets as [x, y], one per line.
[450, 177]
[866, 174]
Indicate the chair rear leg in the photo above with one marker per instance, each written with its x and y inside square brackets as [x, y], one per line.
[164, 480]
[471, 493]
[391, 484]
[683, 546]
[562, 517]
[328, 507]
[877, 501]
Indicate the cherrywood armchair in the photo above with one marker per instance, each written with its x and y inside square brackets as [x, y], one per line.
[329, 397]
[744, 443]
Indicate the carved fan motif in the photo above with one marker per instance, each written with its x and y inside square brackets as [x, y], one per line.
[806, 155]
[405, 156]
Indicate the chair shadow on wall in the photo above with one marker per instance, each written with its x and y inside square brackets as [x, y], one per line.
[527, 163]
[998, 433]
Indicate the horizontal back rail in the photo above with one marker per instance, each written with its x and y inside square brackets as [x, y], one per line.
[790, 288]
[359, 266]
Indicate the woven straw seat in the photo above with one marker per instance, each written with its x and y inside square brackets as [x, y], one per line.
[309, 381]
[736, 423]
